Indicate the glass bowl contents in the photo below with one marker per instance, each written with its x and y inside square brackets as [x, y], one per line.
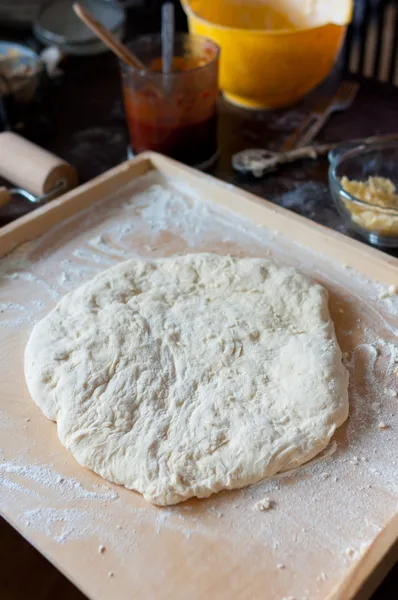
[364, 185]
[174, 114]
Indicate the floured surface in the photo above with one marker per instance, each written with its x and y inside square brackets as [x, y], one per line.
[318, 520]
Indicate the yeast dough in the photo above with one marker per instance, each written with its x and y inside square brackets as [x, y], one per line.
[185, 376]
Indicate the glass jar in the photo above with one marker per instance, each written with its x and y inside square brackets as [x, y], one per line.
[173, 113]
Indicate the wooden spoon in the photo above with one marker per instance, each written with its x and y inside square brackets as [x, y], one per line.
[108, 38]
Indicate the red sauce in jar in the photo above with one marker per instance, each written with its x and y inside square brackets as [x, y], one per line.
[180, 122]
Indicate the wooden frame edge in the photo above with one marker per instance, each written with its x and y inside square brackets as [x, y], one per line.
[337, 246]
[352, 586]
[347, 251]
[37, 222]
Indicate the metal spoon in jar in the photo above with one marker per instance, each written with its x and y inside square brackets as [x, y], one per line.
[167, 37]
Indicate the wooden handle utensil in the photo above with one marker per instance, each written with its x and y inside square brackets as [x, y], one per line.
[108, 38]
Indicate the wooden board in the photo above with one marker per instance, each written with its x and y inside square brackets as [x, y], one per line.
[333, 520]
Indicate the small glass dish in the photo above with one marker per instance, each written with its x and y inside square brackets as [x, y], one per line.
[376, 223]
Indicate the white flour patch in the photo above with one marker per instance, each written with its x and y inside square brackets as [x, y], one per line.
[69, 488]
[8, 483]
[61, 524]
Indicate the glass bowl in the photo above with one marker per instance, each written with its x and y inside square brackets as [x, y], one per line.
[377, 224]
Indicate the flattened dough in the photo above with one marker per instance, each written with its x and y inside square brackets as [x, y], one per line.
[185, 376]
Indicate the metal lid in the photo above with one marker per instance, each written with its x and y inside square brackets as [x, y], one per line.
[57, 25]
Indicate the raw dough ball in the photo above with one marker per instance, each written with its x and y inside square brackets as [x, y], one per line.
[185, 376]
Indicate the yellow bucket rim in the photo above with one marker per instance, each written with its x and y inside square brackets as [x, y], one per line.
[272, 32]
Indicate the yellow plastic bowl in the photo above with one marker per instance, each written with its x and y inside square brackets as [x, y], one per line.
[265, 68]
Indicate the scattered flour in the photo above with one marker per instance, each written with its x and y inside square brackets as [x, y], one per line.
[392, 290]
[264, 505]
[391, 392]
[68, 487]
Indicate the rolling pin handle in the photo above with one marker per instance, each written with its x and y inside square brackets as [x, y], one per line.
[32, 168]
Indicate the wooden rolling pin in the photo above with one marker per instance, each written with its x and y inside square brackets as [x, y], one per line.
[33, 169]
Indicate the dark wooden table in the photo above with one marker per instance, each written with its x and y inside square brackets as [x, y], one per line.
[87, 128]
